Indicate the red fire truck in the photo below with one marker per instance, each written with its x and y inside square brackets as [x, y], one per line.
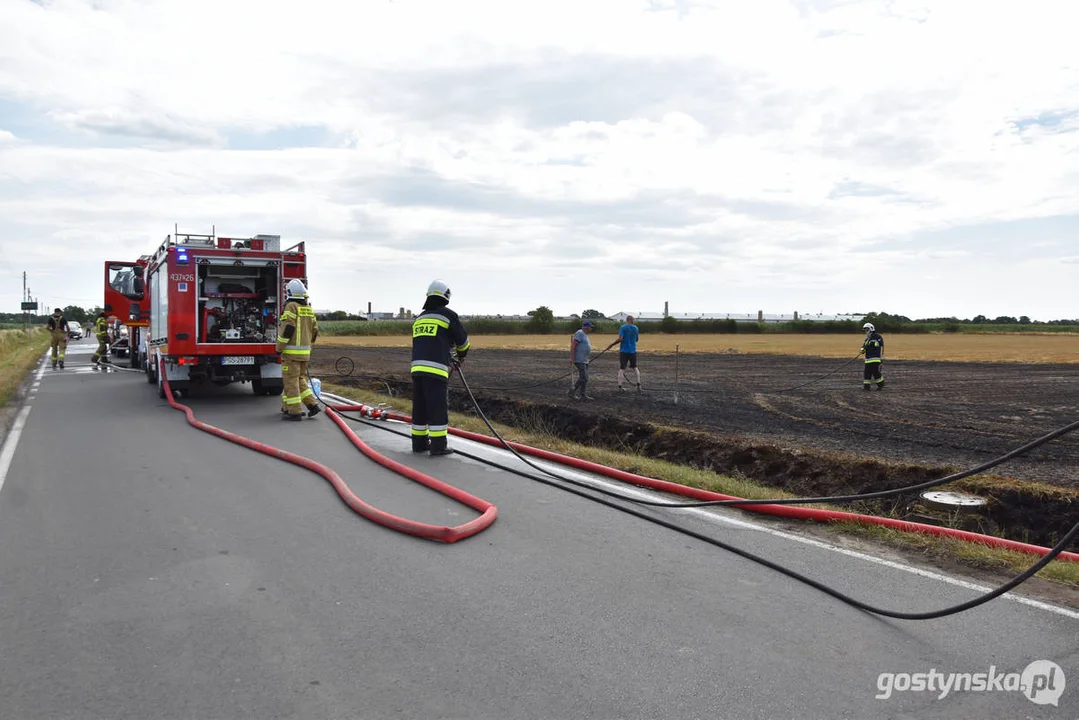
[212, 306]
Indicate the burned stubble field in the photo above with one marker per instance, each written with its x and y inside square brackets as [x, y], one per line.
[800, 423]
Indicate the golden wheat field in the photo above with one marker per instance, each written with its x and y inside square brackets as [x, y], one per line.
[1012, 347]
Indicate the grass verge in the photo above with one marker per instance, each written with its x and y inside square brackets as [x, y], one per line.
[18, 354]
[537, 434]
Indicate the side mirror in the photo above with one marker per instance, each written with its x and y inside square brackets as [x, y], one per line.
[139, 286]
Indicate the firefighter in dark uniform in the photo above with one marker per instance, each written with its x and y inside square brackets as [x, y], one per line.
[101, 331]
[57, 326]
[295, 336]
[873, 349]
[436, 333]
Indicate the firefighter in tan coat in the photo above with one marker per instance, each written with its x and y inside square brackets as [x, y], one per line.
[295, 336]
[57, 326]
[101, 330]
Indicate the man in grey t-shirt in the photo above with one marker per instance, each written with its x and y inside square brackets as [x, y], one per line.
[580, 352]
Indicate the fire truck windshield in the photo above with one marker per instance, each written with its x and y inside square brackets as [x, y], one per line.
[122, 280]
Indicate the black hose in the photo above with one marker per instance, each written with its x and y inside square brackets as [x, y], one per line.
[576, 487]
[876, 495]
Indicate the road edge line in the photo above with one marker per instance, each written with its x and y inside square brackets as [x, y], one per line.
[14, 431]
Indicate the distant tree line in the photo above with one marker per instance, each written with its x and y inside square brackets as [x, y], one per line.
[542, 321]
[73, 313]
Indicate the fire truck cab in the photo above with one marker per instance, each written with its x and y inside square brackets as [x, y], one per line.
[128, 304]
[214, 304]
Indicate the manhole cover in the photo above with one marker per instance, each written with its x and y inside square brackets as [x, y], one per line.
[952, 500]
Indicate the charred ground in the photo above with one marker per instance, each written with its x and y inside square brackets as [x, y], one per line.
[745, 414]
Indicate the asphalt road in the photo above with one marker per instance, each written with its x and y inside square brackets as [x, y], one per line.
[149, 570]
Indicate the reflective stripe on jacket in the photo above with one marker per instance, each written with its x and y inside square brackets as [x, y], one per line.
[301, 318]
[435, 334]
[874, 347]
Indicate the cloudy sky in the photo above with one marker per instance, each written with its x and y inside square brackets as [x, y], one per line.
[915, 157]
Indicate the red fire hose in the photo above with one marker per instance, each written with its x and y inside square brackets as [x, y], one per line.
[789, 511]
[441, 533]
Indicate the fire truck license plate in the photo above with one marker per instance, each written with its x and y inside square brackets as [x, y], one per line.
[238, 360]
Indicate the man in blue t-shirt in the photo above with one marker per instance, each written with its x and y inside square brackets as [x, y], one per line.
[627, 352]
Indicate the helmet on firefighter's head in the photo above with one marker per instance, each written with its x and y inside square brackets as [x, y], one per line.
[439, 289]
[295, 289]
[57, 311]
[868, 327]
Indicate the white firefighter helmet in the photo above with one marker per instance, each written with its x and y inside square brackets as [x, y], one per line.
[439, 289]
[868, 327]
[295, 289]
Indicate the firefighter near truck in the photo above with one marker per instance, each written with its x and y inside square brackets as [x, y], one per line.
[207, 310]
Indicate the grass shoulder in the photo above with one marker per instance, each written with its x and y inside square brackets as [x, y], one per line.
[19, 353]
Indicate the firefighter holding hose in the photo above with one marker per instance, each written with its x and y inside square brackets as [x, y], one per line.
[101, 331]
[57, 326]
[437, 333]
[873, 349]
[295, 336]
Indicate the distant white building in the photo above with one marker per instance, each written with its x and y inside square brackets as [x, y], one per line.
[759, 317]
[496, 317]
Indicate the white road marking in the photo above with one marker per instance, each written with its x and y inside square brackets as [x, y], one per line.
[80, 350]
[11, 442]
[712, 515]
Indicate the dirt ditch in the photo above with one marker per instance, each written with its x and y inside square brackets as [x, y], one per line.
[827, 439]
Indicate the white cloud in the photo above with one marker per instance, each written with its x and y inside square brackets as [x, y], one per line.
[135, 124]
[723, 156]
